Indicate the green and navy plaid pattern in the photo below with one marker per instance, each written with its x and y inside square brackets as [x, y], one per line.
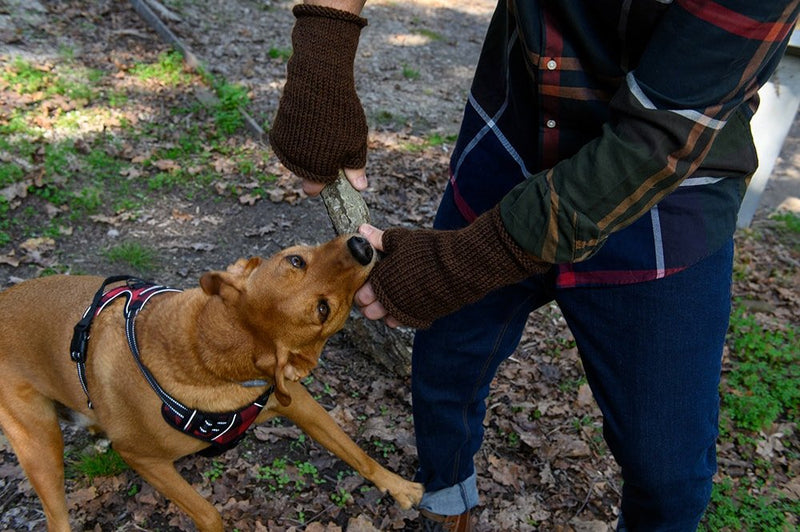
[615, 133]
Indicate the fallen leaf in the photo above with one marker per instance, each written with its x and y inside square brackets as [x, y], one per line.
[203, 246]
[360, 524]
[38, 244]
[167, 165]
[16, 190]
[248, 199]
[181, 216]
[504, 471]
[10, 259]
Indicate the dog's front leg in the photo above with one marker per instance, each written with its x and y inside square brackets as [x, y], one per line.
[162, 475]
[30, 423]
[315, 421]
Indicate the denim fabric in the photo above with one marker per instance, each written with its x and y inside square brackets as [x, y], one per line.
[652, 355]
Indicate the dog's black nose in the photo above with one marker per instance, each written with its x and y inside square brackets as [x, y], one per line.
[361, 249]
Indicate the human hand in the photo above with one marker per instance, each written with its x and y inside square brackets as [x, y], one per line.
[426, 274]
[356, 176]
[320, 127]
[365, 298]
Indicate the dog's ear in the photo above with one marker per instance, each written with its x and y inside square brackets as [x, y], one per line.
[234, 276]
[212, 282]
[244, 267]
[281, 393]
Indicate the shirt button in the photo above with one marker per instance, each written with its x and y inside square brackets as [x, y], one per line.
[551, 65]
[551, 124]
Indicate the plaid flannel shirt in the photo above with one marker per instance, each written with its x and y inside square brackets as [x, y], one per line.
[615, 134]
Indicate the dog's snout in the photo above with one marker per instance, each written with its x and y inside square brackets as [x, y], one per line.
[360, 249]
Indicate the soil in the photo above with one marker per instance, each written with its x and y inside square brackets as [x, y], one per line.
[543, 466]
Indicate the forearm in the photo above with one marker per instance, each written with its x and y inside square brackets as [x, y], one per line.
[353, 6]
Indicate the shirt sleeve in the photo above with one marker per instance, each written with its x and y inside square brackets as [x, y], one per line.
[701, 69]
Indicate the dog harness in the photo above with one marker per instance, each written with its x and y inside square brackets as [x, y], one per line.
[222, 429]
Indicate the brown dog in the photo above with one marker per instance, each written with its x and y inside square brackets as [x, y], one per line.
[214, 349]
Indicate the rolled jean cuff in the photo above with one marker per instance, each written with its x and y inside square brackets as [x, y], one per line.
[453, 500]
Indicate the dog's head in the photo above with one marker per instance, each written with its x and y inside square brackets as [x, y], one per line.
[294, 301]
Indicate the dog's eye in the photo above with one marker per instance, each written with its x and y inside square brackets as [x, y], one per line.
[296, 261]
[323, 309]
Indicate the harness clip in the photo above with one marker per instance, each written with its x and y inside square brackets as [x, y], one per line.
[80, 343]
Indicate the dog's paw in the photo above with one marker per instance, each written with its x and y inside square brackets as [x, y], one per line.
[407, 494]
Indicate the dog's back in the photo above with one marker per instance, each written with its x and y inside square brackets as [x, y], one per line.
[36, 321]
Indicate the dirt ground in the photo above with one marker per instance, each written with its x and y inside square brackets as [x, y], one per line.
[544, 465]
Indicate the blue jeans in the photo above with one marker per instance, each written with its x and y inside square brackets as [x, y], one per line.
[652, 355]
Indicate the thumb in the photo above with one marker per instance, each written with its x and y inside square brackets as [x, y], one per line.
[373, 235]
[357, 178]
[312, 188]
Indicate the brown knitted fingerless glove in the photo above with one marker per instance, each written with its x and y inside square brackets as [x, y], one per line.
[427, 274]
[320, 125]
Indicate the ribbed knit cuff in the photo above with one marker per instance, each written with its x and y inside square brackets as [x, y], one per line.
[427, 274]
[310, 10]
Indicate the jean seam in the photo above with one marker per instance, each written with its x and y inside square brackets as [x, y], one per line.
[487, 363]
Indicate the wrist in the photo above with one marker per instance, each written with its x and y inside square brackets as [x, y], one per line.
[338, 19]
[352, 6]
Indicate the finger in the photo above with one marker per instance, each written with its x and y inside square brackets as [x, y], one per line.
[357, 177]
[373, 235]
[371, 308]
[391, 322]
[312, 188]
[374, 311]
[365, 295]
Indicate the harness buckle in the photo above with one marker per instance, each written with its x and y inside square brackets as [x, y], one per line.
[80, 343]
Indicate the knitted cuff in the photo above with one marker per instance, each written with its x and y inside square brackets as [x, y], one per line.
[309, 10]
[427, 274]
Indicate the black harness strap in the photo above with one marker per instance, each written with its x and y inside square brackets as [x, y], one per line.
[222, 429]
[80, 335]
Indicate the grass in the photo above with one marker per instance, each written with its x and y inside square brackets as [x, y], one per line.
[227, 113]
[79, 174]
[28, 78]
[430, 34]
[431, 141]
[138, 256]
[87, 168]
[791, 221]
[759, 396]
[284, 473]
[738, 509]
[215, 471]
[762, 386]
[410, 73]
[280, 53]
[90, 465]
[168, 70]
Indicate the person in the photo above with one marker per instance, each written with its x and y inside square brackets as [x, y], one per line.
[603, 154]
